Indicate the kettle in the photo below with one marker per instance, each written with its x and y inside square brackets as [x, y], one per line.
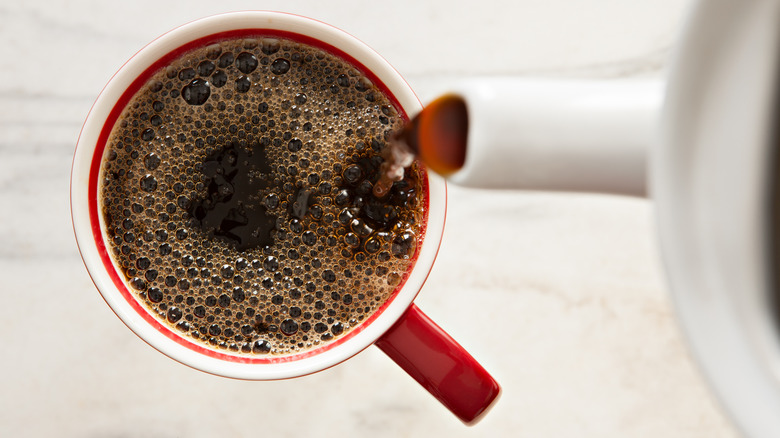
[701, 144]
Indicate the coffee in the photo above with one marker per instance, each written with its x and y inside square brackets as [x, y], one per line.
[237, 196]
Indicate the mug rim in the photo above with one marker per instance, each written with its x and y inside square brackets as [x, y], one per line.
[89, 229]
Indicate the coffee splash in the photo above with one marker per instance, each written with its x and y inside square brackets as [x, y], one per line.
[438, 136]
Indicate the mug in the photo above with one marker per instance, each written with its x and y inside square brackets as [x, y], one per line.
[399, 327]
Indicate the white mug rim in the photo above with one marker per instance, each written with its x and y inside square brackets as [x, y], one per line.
[80, 201]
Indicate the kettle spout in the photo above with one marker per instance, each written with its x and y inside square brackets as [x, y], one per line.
[541, 134]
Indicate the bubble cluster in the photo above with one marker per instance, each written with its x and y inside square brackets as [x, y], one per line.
[237, 193]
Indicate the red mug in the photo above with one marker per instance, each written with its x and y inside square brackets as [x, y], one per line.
[398, 327]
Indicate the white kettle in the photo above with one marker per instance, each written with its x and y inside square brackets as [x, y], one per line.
[702, 146]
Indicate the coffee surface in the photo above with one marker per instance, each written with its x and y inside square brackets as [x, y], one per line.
[237, 196]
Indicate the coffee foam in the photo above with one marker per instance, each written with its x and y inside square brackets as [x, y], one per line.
[336, 252]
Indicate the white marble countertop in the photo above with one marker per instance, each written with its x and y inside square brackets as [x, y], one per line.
[560, 296]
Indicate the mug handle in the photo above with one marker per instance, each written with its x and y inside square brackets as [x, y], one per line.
[440, 365]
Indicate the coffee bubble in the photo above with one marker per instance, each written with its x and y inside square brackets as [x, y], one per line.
[242, 84]
[186, 74]
[289, 327]
[206, 68]
[174, 314]
[261, 347]
[219, 78]
[280, 66]
[148, 183]
[196, 92]
[225, 60]
[155, 295]
[246, 62]
[213, 51]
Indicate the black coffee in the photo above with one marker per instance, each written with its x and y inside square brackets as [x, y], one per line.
[237, 197]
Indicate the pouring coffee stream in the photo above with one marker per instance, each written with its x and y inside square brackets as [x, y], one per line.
[436, 135]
